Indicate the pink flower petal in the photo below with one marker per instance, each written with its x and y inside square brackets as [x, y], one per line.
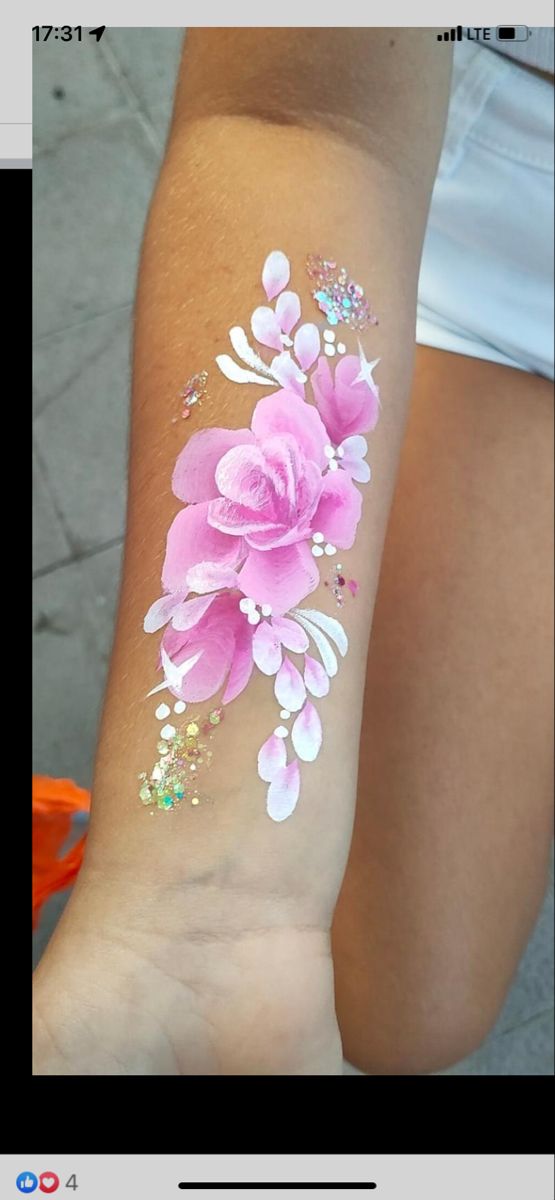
[339, 510]
[290, 634]
[242, 476]
[346, 407]
[237, 520]
[190, 611]
[210, 577]
[191, 540]
[217, 645]
[208, 674]
[241, 667]
[266, 649]
[289, 688]
[281, 577]
[266, 327]
[283, 792]
[275, 273]
[288, 310]
[306, 733]
[285, 412]
[193, 477]
[315, 677]
[161, 611]
[307, 345]
[272, 758]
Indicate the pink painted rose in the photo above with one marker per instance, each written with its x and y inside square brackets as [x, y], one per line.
[262, 490]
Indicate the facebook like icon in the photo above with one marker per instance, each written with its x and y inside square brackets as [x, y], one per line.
[26, 1182]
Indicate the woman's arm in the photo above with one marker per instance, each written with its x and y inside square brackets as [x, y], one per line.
[196, 940]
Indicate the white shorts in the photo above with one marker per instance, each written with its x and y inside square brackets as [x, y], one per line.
[486, 279]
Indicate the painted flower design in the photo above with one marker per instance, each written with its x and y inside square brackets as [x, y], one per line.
[260, 501]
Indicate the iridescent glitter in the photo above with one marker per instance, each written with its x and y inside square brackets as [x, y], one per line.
[175, 776]
[194, 392]
[337, 295]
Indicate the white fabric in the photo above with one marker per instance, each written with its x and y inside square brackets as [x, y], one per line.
[486, 278]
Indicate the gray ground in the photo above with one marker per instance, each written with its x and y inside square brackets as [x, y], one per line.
[100, 119]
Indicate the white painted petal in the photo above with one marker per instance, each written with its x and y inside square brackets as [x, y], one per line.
[355, 447]
[290, 634]
[179, 706]
[272, 758]
[238, 374]
[306, 734]
[288, 310]
[330, 626]
[167, 732]
[287, 373]
[275, 273]
[289, 688]
[162, 712]
[283, 792]
[316, 679]
[358, 469]
[266, 327]
[161, 612]
[307, 345]
[266, 649]
[320, 641]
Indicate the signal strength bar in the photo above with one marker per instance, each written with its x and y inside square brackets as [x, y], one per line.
[451, 35]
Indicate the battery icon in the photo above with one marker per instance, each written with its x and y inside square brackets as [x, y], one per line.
[512, 33]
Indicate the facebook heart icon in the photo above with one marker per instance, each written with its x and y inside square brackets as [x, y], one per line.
[49, 1182]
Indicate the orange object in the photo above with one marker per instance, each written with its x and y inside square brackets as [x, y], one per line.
[54, 801]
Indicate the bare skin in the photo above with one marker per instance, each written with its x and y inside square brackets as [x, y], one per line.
[454, 816]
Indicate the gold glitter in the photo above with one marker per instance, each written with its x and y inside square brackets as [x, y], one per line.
[176, 775]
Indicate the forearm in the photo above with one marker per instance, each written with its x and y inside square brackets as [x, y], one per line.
[222, 873]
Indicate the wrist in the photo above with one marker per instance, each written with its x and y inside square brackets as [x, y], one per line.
[127, 986]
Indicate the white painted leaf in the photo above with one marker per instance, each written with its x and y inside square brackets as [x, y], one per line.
[330, 625]
[320, 641]
[238, 374]
[244, 350]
